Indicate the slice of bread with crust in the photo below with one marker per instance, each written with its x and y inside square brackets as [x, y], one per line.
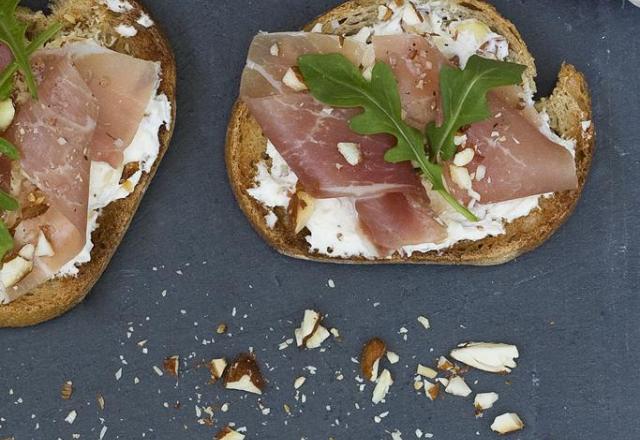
[88, 18]
[567, 107]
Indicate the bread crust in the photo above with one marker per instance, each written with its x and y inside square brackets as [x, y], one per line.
[568, 106]
[58, 296]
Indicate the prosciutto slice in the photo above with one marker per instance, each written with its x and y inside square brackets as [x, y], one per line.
[517, 159]
[53, 135]
[394, 220]
[271, 55]
[416, 64]
[123, 86]
[307, 134]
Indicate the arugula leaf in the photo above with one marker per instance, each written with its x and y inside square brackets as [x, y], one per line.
[464, 97]
[334, 80]
[8, 149]
[12, 34]
[7, 202]
[6, 77]
[6, 240]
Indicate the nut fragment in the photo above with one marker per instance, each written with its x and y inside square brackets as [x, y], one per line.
[458, 387]
[431, 390]
[392, 357]
[299, 382]
[445, 364]
[293, 79]
[274, 50]
[171, 365]
[13, 271]
[228, 434]
[311, 334]
[222, 328]
[67, 390]
[382, 386]
[216, 368]
[506, 423]
[43, 247]
[370, 357]
[484, 401]
[486, 356]
[7, 112]
[426, 372]
[384, 13]
[460, 176]
[425, 322]
[464, 157]
[302, 206]
[100, 400]
[244, 375]
[351, 152]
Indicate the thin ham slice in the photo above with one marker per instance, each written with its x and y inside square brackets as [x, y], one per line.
[416, 65]
[271, 55]
[123, 86]
[307, 134]
[519, 162]
[394, 220]
[517, 159]
[53, 135]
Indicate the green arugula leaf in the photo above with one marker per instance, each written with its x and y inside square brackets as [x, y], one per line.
[464, 98]
[12, 33]
[334, 80]
[6, 77]
[7, 202]
[6, 240]
[8, 149]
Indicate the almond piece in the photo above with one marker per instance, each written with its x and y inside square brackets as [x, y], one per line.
[431, 390]
[302, 205]
[67, 390]
[310, 322]
[293, 79]
[27, 252]
[445, 364]
[484, 401]
[351, 152]
[317, 338]
[487, 356]
[458, 387]
[244, 375]
[506, 423]
[171, 365]
[228, 434]
[43, 247]
[382, 387]
[370, 357]
[426, 372]
[216, 368]
[15, 270]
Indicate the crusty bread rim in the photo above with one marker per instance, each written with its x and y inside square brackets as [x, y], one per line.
[57, 296]
[568, 107]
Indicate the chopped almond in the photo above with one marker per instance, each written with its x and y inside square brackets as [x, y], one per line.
[244, 375]
[458, 387]
[216, 368]
[382, 386]
[484, 401]
[370, 357]
[491, 357]
[445, 364]
[293, 79]
[426, 372]
[431, 390]
[228, 434]
[302, 206]
[506, 423]
[67, 390]
[171, 365]
[43, 247]
[351, 152]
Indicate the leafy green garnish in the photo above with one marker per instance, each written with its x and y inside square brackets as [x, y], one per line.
[6, 240]
[8, 149]
[464, 98]
[12, 33]
[334, 80]
[7, 202]
[6, 77]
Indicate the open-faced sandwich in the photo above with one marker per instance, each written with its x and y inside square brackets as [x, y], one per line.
[406, 132]
[87, 104]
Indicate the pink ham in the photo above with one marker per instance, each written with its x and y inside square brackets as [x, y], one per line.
[54, 134]
[307, 137]
[416, 64]
[123, 86]
[271, 55]
[394, 220]
[518, 160]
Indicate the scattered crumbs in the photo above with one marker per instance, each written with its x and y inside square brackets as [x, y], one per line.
[425, 322]
[331, 283]
[71, 417]
[158, 370]
[119, 374]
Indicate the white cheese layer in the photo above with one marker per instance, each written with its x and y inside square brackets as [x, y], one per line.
[333, 226]
[105, 186]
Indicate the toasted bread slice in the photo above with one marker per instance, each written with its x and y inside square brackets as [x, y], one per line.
[568, 107]
[84, 18]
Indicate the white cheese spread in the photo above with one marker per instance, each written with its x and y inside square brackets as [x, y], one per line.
[333, 225]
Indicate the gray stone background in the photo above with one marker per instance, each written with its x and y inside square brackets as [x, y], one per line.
[571, 306]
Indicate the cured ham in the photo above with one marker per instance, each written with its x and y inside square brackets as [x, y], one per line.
[416, 64]
[271, 55]
[54, 134]
[306, 134]
[123, 98]
[394, 220]
[517, 159]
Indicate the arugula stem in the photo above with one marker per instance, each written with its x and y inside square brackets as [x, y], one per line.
[457, 205]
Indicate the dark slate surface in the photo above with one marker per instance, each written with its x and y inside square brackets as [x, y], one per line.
[571, 306]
